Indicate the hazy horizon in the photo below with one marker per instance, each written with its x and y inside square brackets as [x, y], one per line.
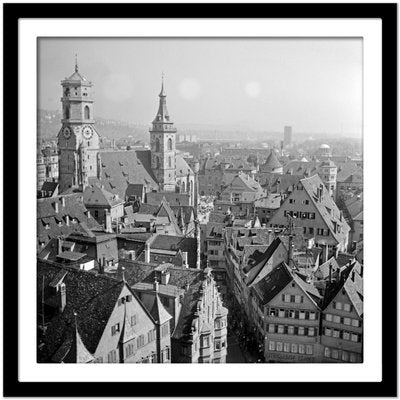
[314, 85]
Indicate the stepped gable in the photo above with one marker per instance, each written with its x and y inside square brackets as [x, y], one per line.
[91, 296]
[61, 216]
[119, 169]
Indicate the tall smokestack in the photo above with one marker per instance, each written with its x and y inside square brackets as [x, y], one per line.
[147, 252]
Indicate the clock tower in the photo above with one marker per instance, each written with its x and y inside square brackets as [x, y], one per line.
[78, 141]
[162, 145]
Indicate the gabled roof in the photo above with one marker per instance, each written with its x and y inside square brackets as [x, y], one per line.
[301, 168]
[181, 167]
[158, 312]
[91, 296]
[326, 207]
[52, 217]
[97, 197]
[49, 186]
[260, 262]
[242, 182]
[272, 161]
[322, 271]
[122, 168]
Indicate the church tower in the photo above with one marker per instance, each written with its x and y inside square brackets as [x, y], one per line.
[162, 145]
[78, 141]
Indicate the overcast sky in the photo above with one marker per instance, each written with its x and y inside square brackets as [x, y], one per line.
[315, 85]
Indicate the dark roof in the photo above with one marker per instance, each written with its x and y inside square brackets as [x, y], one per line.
[122, 168]
[135, 189]
[259, 261]
[271, 161]
[158, 312]
[52, 224]
[91, 296]
[49, 186]
[99, 197]
[174, 199]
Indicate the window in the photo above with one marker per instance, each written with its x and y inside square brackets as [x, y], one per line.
[309, 349]
[134, 319]
[306, 201]
[338, 305]
[292, 314]
[347, 307]
[335, 354]
[301, 330]
[356, 323]
[311, 331]
[271, 346]
[170, 161]
[354, 337]
[279, 346]
[291, 330]
[280, 329]
[301, 349]
[140, 341]
[353, 358]
[292, 201]
[327, 352]
[87, 112]
[328, 317]
[165, 329]
[294, 348]
[346, 335]
[281, 313]
[114, 329]
[336, 319]
[112, 356]
[312, 315]
[151, 335]
[271, 328]
[206, 341]
[298, 299]
[311, 216]
[166, 354]
[157, 145]
[347, 321]
[302, 315]
[335, 333]
[292, 298]
[328, 332]
[286, 347]
[311, 231]
[129, 349]
[170, 144]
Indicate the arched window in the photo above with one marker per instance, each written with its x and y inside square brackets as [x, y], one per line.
[158, 162]
[169, 144]
[169, 162]
[67, 112]
[157, 144]
[87, 112]
[189, 186]
[183, 187]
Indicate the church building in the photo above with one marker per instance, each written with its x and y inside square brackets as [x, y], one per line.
[83, 163]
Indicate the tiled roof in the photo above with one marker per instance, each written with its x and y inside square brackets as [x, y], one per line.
[181, 167]
[272, 201]
[52, 224]
[322, 271]
[244, 182]
[254, 268]
[49, 186]
[301, 168]
[271, 162]
[122, 168]
[91, 296]
[346, 169]
[326, 207]
[98, 197]
[174, 199]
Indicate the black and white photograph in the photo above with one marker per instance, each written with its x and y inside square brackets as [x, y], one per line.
[200, 200]
[200, 184]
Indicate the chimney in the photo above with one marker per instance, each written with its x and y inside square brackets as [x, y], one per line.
[132, 255]
[62, 297]
[63, 201]
[55, 206]
[59, 246]
[165, 275]
[155, 285]
[108, 221]
[185, 259]
[101, 266]
[67, 220]
[147, 252]
[88, 213]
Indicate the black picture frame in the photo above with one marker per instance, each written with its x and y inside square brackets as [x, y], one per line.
[12, 386]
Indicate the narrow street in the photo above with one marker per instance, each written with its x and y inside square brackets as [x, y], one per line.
[235, 353]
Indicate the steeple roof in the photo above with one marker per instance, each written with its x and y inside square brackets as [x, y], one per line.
[162, 113]
[76, 76]
[272, 161]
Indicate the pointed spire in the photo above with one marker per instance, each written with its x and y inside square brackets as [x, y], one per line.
[76, 62]
[162, 93]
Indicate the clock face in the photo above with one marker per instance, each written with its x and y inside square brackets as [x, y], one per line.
[67, 132]
[87, 132]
